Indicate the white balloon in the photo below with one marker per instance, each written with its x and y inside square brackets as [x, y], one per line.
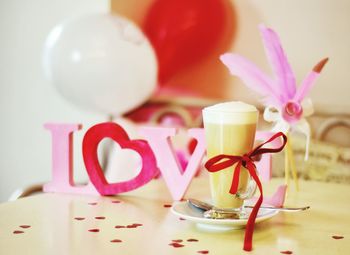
[101, 62]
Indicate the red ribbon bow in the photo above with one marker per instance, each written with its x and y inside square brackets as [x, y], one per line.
[216, 164]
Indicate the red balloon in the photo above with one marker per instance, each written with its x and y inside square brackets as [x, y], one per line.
[183, 32]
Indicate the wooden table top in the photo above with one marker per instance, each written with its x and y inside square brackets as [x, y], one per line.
[60, 224]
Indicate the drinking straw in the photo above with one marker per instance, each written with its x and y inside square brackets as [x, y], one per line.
[291, 161]
[286, 167]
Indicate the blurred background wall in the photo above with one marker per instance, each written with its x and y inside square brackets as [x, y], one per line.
[309, 30]
[27, 99]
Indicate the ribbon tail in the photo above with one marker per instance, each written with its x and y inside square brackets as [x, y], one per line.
[248, 238]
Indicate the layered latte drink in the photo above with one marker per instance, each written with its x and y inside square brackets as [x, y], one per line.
[229, 129]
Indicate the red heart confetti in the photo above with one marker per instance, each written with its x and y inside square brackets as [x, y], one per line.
[134, 225]
[166, 205]
[92, 203]
[24, 226]
[116, 241]
[94, 230]
[100, 218]
[203, 252]
[176, 245]
[79, 218]
[116, 201]
[286, 252]
[192, 240]
[18, 232]
[119, 226]
[177, 241]
[337, 237]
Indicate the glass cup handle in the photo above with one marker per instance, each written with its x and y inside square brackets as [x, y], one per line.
[250, 191]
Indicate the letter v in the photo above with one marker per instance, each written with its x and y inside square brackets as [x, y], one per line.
[159, 140]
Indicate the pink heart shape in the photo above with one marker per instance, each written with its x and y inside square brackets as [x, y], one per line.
[115, 132]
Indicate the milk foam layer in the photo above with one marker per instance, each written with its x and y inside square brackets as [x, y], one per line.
[234, 112]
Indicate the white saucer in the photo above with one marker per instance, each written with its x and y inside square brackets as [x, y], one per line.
[183, 210]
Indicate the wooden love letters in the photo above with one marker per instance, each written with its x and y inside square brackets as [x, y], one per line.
[156, 152]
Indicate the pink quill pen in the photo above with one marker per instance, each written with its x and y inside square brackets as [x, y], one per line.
[280, 90]
[279, 93]
[309, 81]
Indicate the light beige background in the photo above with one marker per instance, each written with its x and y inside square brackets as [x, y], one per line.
[309, 30]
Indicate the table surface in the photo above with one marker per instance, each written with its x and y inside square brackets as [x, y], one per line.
[53, 228]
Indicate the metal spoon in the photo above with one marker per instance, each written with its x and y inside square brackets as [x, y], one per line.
[206, 206]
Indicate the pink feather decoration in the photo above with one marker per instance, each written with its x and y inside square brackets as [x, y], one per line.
[285, 79]
[251, 75]
[283, 89]
[309, 81]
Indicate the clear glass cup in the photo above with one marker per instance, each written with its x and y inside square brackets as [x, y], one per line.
[230, 129]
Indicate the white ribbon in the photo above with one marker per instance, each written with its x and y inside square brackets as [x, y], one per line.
[272, 114]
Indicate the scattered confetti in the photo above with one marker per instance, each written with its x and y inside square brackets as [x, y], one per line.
[116, 241]
[192, 240]
[286, 252]
[181, 218]
[166, 205]
[116, 201]
[18, 232]
[94, 230]
[119, 226]
[177, 241]
[92, 203]
[176, 245]
[203, 252]
[337, 237]
[79, 218]
[24, 226]
[134, 225]
[100, 218]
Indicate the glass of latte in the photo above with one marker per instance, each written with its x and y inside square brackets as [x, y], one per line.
[230, 129]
